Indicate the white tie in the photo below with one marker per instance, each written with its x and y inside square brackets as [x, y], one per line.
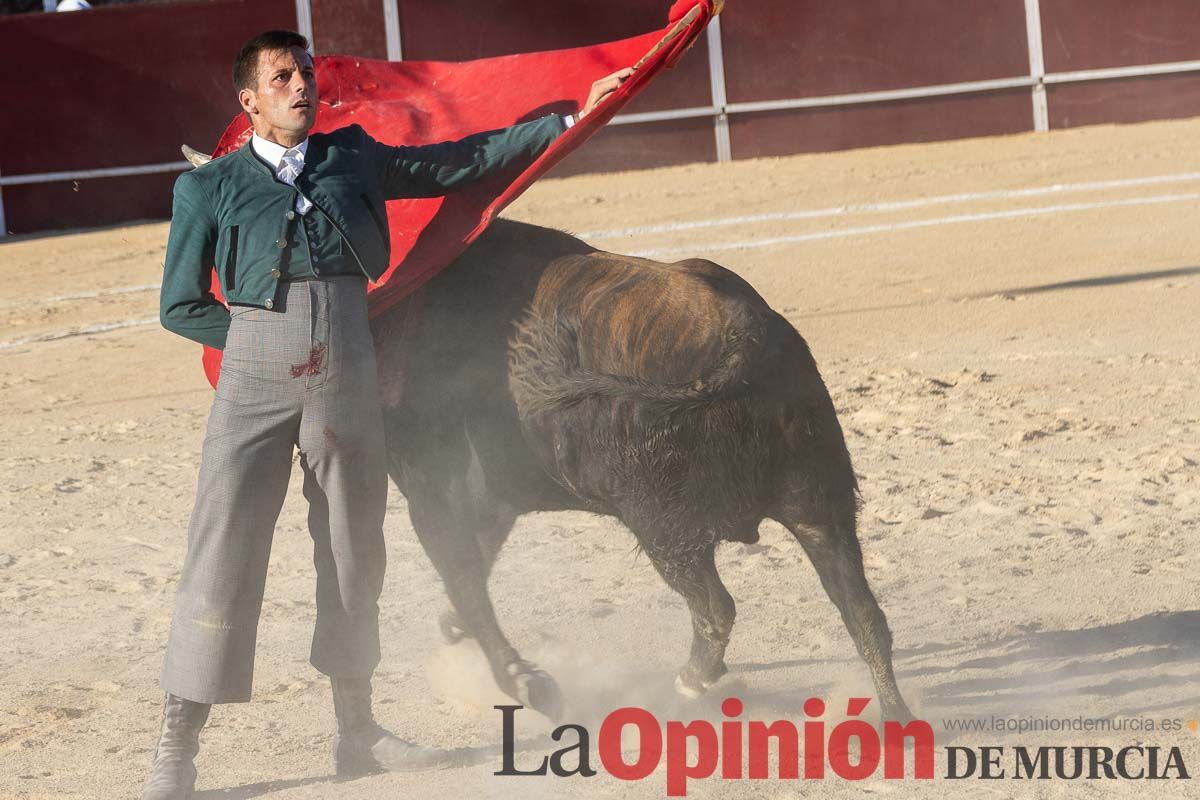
[290, 167]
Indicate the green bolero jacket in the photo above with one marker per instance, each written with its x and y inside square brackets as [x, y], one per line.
[235, 214]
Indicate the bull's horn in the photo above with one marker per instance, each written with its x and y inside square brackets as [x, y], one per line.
[195, 157]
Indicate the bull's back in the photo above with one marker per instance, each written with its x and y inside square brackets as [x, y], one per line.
[644, 319]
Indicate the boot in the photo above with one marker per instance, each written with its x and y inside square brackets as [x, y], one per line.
[362, 746]
[173, 773]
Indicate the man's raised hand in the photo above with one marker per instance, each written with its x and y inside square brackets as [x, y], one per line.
[603, 88]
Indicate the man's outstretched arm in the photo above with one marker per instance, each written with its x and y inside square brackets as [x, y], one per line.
[436, 169]
[186, 303]
[433, 170]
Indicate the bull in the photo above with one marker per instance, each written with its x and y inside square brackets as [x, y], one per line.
[537, 373]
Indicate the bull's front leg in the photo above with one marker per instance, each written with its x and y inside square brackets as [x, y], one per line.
[453, 523]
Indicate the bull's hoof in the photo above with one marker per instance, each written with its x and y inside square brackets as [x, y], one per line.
[691, 682]
[452, 631]
[688, 690]
[535, 689]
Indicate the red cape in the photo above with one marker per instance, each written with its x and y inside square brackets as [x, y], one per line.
[411, 102]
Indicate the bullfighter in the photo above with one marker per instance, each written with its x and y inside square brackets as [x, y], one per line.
[295, 225]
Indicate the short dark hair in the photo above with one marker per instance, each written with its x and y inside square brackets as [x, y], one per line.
[245, 67]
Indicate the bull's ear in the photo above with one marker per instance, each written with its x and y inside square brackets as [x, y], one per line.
[195, 157]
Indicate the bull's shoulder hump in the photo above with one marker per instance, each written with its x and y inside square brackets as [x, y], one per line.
[631, 304]
[684, 287]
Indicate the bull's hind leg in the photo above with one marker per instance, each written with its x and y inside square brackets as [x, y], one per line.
[694, 576]
[832, 546]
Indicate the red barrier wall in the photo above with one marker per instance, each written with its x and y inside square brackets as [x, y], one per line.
[116, 86]
[814, 48]
[349, 28]
[125, 85]
[1094, 34]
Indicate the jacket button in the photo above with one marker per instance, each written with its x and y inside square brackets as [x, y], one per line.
[290, 215]
[269, 303]
[275, 273]
[281, 243]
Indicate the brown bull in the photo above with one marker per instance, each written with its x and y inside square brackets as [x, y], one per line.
[538, 373]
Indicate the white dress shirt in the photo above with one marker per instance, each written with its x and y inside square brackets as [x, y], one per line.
[288, 163]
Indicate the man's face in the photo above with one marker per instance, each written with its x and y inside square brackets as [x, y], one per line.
[284, 100]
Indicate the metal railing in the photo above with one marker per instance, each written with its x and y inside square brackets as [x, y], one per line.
[1036, 81]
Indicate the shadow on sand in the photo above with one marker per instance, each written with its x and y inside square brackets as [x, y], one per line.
[1111, 661]
[1123, 667]
[1104, 280]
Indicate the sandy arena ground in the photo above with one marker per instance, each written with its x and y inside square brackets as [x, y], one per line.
[1018, 390]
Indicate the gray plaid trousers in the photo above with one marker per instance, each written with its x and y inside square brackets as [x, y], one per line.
[302, 375]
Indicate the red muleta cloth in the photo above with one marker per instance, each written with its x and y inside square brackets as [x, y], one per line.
[415, 102]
